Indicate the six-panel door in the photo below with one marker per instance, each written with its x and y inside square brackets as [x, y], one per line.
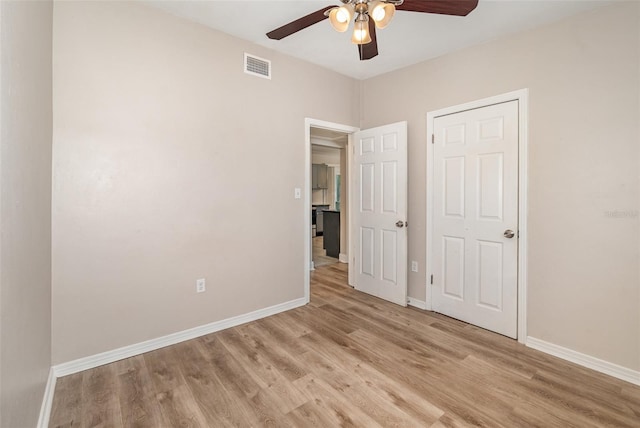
[380, 212]
[475, 205]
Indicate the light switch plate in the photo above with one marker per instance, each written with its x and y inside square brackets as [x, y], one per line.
[297, 193]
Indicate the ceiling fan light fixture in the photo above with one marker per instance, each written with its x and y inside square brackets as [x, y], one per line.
[381, 13]
[339, 17]
[361, 34]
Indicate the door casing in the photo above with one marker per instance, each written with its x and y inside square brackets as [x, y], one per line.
[308, 124]
[522, 96]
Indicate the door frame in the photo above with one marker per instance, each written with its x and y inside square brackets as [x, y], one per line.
[522, 96]
[332, 126]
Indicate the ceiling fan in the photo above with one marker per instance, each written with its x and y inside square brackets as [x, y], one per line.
[370, 14]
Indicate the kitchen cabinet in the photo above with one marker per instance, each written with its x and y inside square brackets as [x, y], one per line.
[319, 176]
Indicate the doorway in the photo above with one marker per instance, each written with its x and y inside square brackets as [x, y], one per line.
[476, 216]
[326, 136]
[328, 162]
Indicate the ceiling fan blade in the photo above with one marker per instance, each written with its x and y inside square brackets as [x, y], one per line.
[444, 7]
[299, 24]
[369, 50]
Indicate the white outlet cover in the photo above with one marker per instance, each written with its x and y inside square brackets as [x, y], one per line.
[201, 285]
[414, 266]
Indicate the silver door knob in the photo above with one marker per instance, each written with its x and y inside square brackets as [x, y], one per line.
[399, 223]
[509, 233]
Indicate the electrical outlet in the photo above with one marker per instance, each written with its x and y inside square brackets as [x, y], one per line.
[200, 285]
[414, 266]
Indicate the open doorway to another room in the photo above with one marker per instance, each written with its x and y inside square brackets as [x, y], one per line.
[328, 196]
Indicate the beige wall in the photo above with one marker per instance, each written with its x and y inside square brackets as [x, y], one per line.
[163, 174]
[583, 76]
[25, 209]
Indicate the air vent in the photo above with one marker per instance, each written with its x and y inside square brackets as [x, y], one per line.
[257, 66]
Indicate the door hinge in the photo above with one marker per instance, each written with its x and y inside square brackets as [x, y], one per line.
[431, 279]
[433, 138]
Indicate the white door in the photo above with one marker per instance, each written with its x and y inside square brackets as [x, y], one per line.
[380, 212]
[475, 217]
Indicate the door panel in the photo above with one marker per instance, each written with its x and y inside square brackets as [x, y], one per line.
[454, 187]
[453, 266]
[490, 185]
[367, 251]
[475, 182]
[490, 274]
[389, 187]
[380, 189]
[389, 256]
[367, 180]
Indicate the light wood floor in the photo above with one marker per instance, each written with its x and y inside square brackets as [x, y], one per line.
[319, 256]
[346, 359]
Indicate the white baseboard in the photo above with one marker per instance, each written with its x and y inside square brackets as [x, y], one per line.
[420, 304]
[343, 258]
[47, 400]
[92, 361]
[585, 360]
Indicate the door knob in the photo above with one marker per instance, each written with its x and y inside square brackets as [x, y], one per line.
[509, 233]
[399, 223]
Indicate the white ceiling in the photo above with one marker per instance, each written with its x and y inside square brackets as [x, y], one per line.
[410, 38]
[328, 134]
[323, 150]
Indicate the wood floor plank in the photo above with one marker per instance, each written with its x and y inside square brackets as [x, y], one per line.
[276, 355]
[310, 414]
[278, 331]
[338, 407]
[284, 322]
[138, 404]
[164, 369]
[346, 359]
[218, 406]
[180, 409]
[459, 398]
[399, 395]
[67, 402]
[402, 336]
[591, 393]
[231, 372]
[258, 367]
[100, 401]
[361, 393]
[630, 397]
[282, 395]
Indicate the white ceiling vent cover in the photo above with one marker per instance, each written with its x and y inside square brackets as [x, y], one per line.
[257, 66]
